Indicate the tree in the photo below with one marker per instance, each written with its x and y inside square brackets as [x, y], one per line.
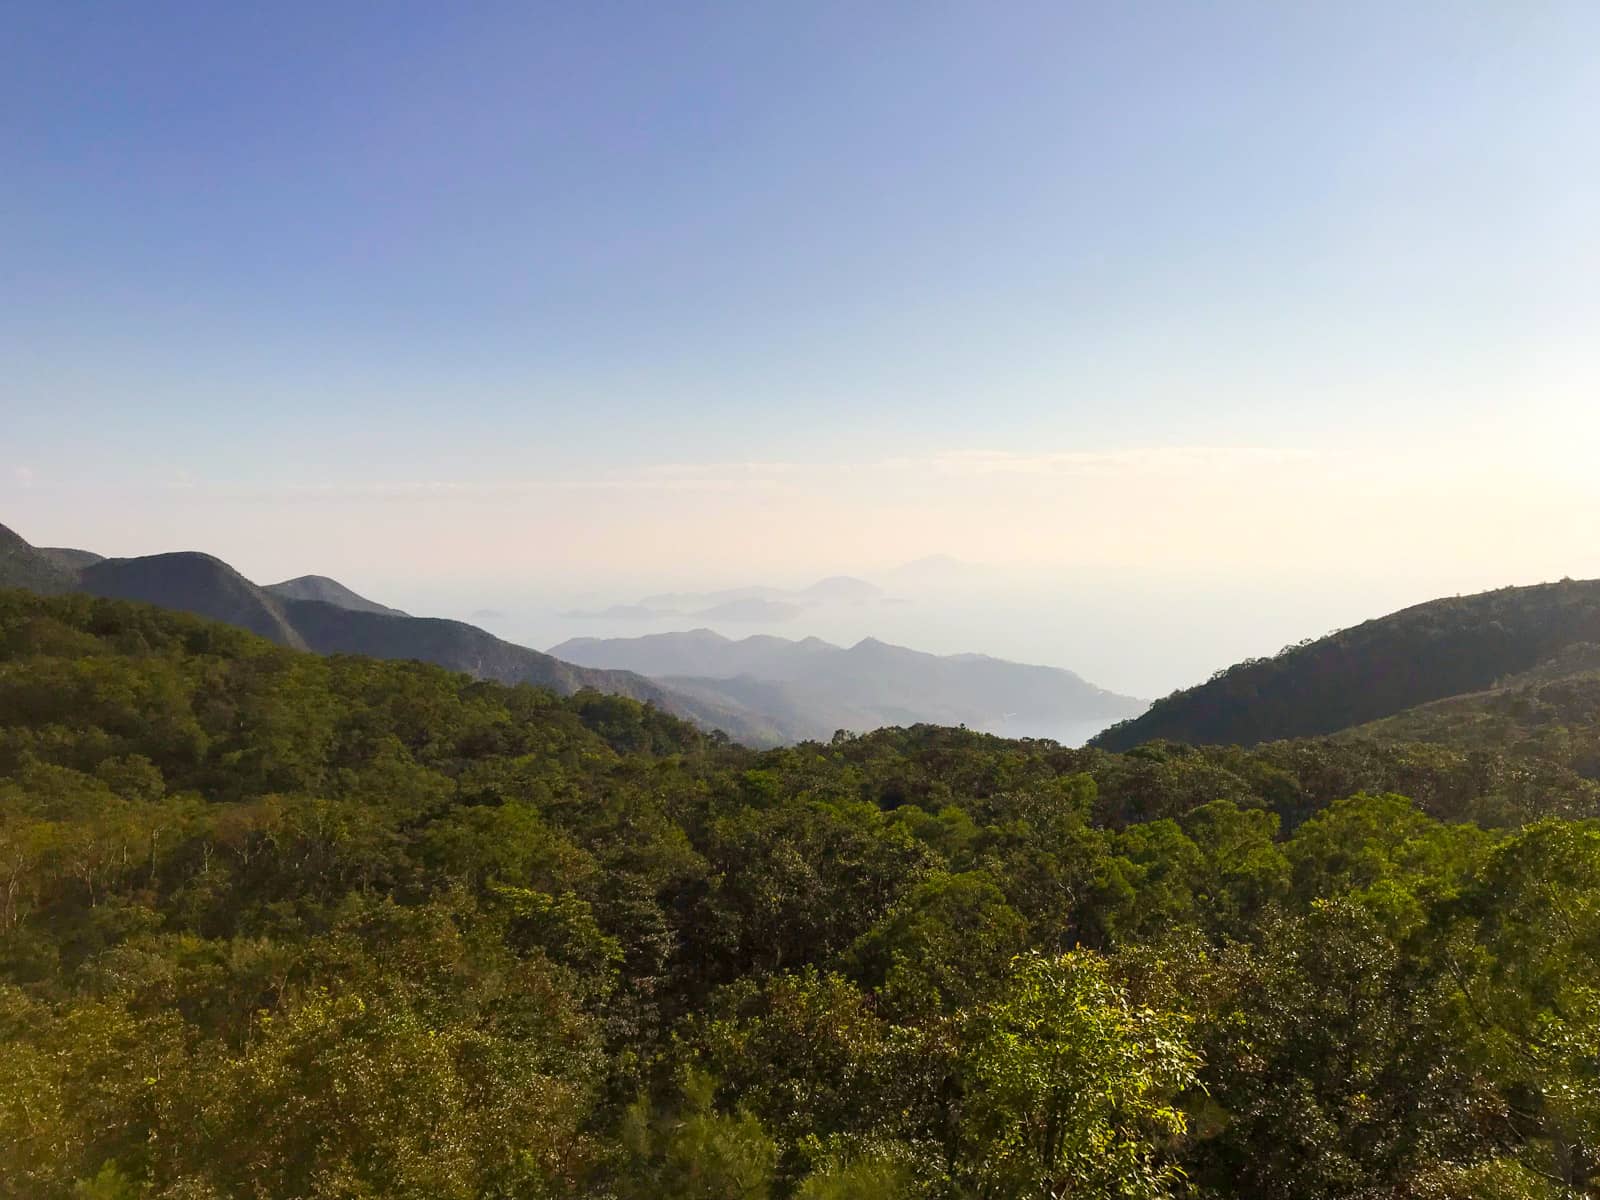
[1069, 1088]
[1525, 961]
[691, 1151]
[944, 946]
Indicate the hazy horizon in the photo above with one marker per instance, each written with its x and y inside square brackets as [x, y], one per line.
[1141, 631]
[1203, 330]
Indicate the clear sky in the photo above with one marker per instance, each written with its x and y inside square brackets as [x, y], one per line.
[495, 295]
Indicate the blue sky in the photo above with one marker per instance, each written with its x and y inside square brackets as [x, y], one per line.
[449, 280]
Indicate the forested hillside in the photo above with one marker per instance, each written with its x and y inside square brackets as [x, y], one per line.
[277, 925]
[1376, 669]
[1550, 714]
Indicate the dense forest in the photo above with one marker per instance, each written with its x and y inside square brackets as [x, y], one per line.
[277, 925]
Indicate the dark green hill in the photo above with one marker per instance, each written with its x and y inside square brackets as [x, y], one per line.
[1551, 713]
[24, 566]
[1431, 651]
[194, 583]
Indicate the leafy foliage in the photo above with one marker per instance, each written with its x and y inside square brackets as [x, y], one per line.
[274, 925]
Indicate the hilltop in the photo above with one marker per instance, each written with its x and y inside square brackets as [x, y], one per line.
[25, 566]
[196, 583]
[329, 591]
[1442, 648]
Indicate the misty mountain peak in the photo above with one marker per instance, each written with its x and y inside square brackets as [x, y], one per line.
[329, 591]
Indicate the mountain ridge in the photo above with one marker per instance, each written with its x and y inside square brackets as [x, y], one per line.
[26, 566]
[332, 629]
[812, 688]
[70, 558]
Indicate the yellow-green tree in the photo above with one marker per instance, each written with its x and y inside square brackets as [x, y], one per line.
[1069, 1088]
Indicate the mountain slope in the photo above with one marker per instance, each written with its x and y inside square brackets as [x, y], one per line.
[1551, 712]
[809, 689]
[195, 583]
[72, 560]
[1443, 648]
[329, 591]
[25, 566]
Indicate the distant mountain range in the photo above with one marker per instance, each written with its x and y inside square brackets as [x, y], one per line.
[1454, 647]
[809, 689]
[762, 691]
[320, 614]
[1515, 670]
[1505, 670]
